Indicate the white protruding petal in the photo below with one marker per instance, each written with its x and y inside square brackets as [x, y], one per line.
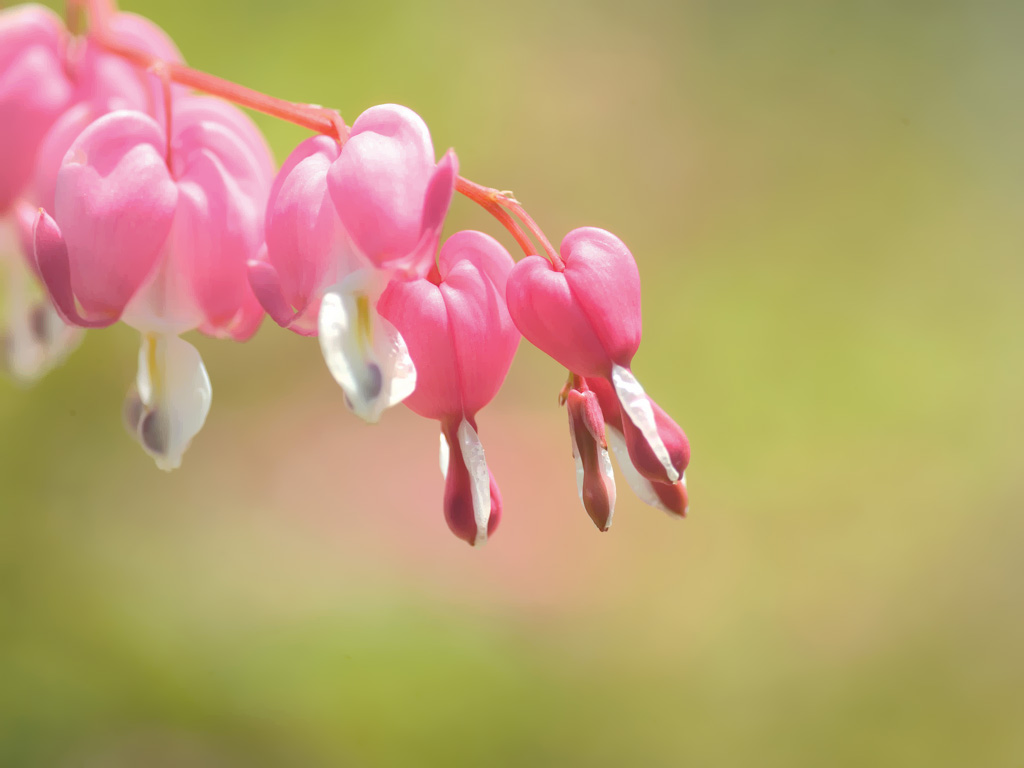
[366, 355]
[36, 339]
[637, 483]
[445, 457]
[609, 482]
[580, 472]
[480, 479]
[175, 392]
[636, 405]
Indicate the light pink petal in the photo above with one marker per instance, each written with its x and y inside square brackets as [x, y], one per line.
[302, 229]
[54, 148]
[439, 195]
[199, 110]
[106, 79]
[50, 254]
[380, 182]
[27, 25]
[115, 203]
[266, 287]
[34, 91]
[25, 216]
[420, 262]
[219, 223]
[243, 325]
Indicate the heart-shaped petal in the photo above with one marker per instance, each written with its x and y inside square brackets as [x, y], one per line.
[303, 234]
[587, 316]
[458, 331]
[115, 203]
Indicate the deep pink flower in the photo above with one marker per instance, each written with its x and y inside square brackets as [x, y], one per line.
[341, 222]
[462, 341]
[587, 317]
[160, 241]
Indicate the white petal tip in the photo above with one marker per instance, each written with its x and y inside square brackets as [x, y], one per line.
[637, 407]
[365, 354]
[480, 478]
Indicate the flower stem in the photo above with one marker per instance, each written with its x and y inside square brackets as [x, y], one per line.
[316, 118]
[501, 205]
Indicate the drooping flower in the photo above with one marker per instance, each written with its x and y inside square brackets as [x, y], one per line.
[586, 316]
[156, 231]
[51, 87]
[341, 223]
[462, 341]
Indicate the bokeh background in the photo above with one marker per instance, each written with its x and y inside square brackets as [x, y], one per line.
[824, 199]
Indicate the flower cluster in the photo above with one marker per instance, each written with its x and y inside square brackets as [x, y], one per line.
[127, 197]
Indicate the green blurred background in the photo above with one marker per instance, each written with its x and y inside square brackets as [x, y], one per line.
[824, 199]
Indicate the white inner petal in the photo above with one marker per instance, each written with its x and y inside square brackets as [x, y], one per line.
[609, 482]
[365, 353]
[445, 456]
[636, 405]
[175, 391]
[580, 473]
[639, 484]
[480, 479]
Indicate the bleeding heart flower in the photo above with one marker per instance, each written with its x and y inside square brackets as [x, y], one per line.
[587, 317]
[341, 222]
[156, 231]
[51, 87]
[462, 341]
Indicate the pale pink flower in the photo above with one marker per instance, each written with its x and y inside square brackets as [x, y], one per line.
[51, 87]
[343, 221]
[157, 233]
[587, 317]
[462, 341]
